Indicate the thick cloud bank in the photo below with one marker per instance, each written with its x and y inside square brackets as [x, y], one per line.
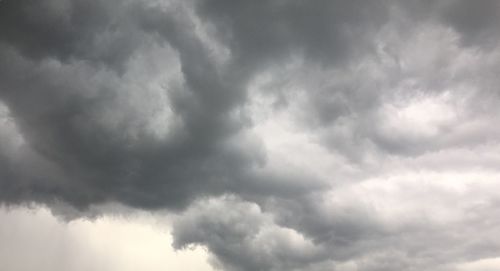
[286, 135]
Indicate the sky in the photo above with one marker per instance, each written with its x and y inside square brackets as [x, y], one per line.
[236, 135]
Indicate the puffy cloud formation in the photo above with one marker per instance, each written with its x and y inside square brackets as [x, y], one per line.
[286, 135]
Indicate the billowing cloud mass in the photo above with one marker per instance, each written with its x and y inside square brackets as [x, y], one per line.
[284, 135]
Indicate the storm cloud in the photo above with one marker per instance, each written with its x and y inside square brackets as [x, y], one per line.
[282, 135]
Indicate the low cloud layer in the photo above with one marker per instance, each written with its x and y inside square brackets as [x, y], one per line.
[285, 135]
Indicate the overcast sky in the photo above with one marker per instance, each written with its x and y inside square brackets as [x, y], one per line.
[236, 135]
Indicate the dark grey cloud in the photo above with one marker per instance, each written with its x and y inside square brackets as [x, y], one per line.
[476, 22]
[68, 105]
[267, 31]
[99, 31]
[242, 237]
[287, 135]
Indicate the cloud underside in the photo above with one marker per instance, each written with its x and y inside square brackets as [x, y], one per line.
[286, 135]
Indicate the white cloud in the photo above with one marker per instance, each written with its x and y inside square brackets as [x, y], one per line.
[33, 239]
